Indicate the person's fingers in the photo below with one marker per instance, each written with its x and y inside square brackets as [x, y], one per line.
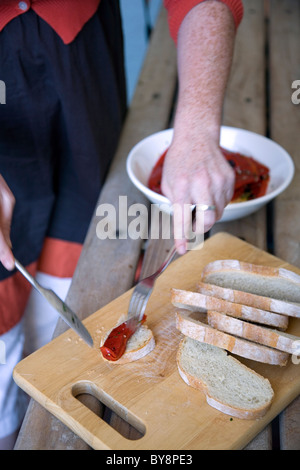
[205, 218]
[190, 222]
[182, 220]
[192, 178]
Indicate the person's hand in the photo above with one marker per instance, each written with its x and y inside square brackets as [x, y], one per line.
[196, 172]
[7, 203]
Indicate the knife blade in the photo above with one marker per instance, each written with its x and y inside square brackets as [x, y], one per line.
[60, 306]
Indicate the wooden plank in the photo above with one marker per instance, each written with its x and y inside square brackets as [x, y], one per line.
[285, 118]
[284, 36]
[245, 104]
[245, 100]
[106, 267]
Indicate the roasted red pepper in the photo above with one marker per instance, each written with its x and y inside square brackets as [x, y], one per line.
[251, 176]
[115, 344]
[156, 174]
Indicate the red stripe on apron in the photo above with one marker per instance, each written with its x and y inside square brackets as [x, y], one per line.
[59, 258]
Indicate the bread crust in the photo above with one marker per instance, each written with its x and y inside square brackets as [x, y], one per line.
[247, 298]
[241, 347]
[260, 270]
[136, 354]
[259, 334]
[195, 301]
[285, 280]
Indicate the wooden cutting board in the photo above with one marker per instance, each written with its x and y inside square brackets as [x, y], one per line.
[149, 393]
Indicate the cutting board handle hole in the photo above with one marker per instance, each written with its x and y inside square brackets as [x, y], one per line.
[107, 409]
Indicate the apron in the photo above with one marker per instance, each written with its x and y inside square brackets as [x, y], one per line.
[59, 128]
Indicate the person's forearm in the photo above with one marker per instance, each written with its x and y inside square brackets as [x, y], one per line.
[205, 49]
[195, 171]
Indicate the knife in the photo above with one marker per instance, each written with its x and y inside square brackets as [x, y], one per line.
[60, 306]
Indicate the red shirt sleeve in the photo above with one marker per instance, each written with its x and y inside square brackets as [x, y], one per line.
[178, 9]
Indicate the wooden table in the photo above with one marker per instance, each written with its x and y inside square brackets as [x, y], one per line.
[266, 62]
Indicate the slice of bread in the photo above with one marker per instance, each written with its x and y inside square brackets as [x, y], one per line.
[259, 334]
[196, 329]
[229, 386]
[196, 301]
[276, 283]
[246, 298]
[140, 344]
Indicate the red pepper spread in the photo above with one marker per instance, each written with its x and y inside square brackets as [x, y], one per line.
[116, 342]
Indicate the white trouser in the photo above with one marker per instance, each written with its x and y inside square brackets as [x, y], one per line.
[34, 331]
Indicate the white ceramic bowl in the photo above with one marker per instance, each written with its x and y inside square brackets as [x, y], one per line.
[145, 154]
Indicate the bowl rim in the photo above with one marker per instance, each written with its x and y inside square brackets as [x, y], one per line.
[231, 206]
